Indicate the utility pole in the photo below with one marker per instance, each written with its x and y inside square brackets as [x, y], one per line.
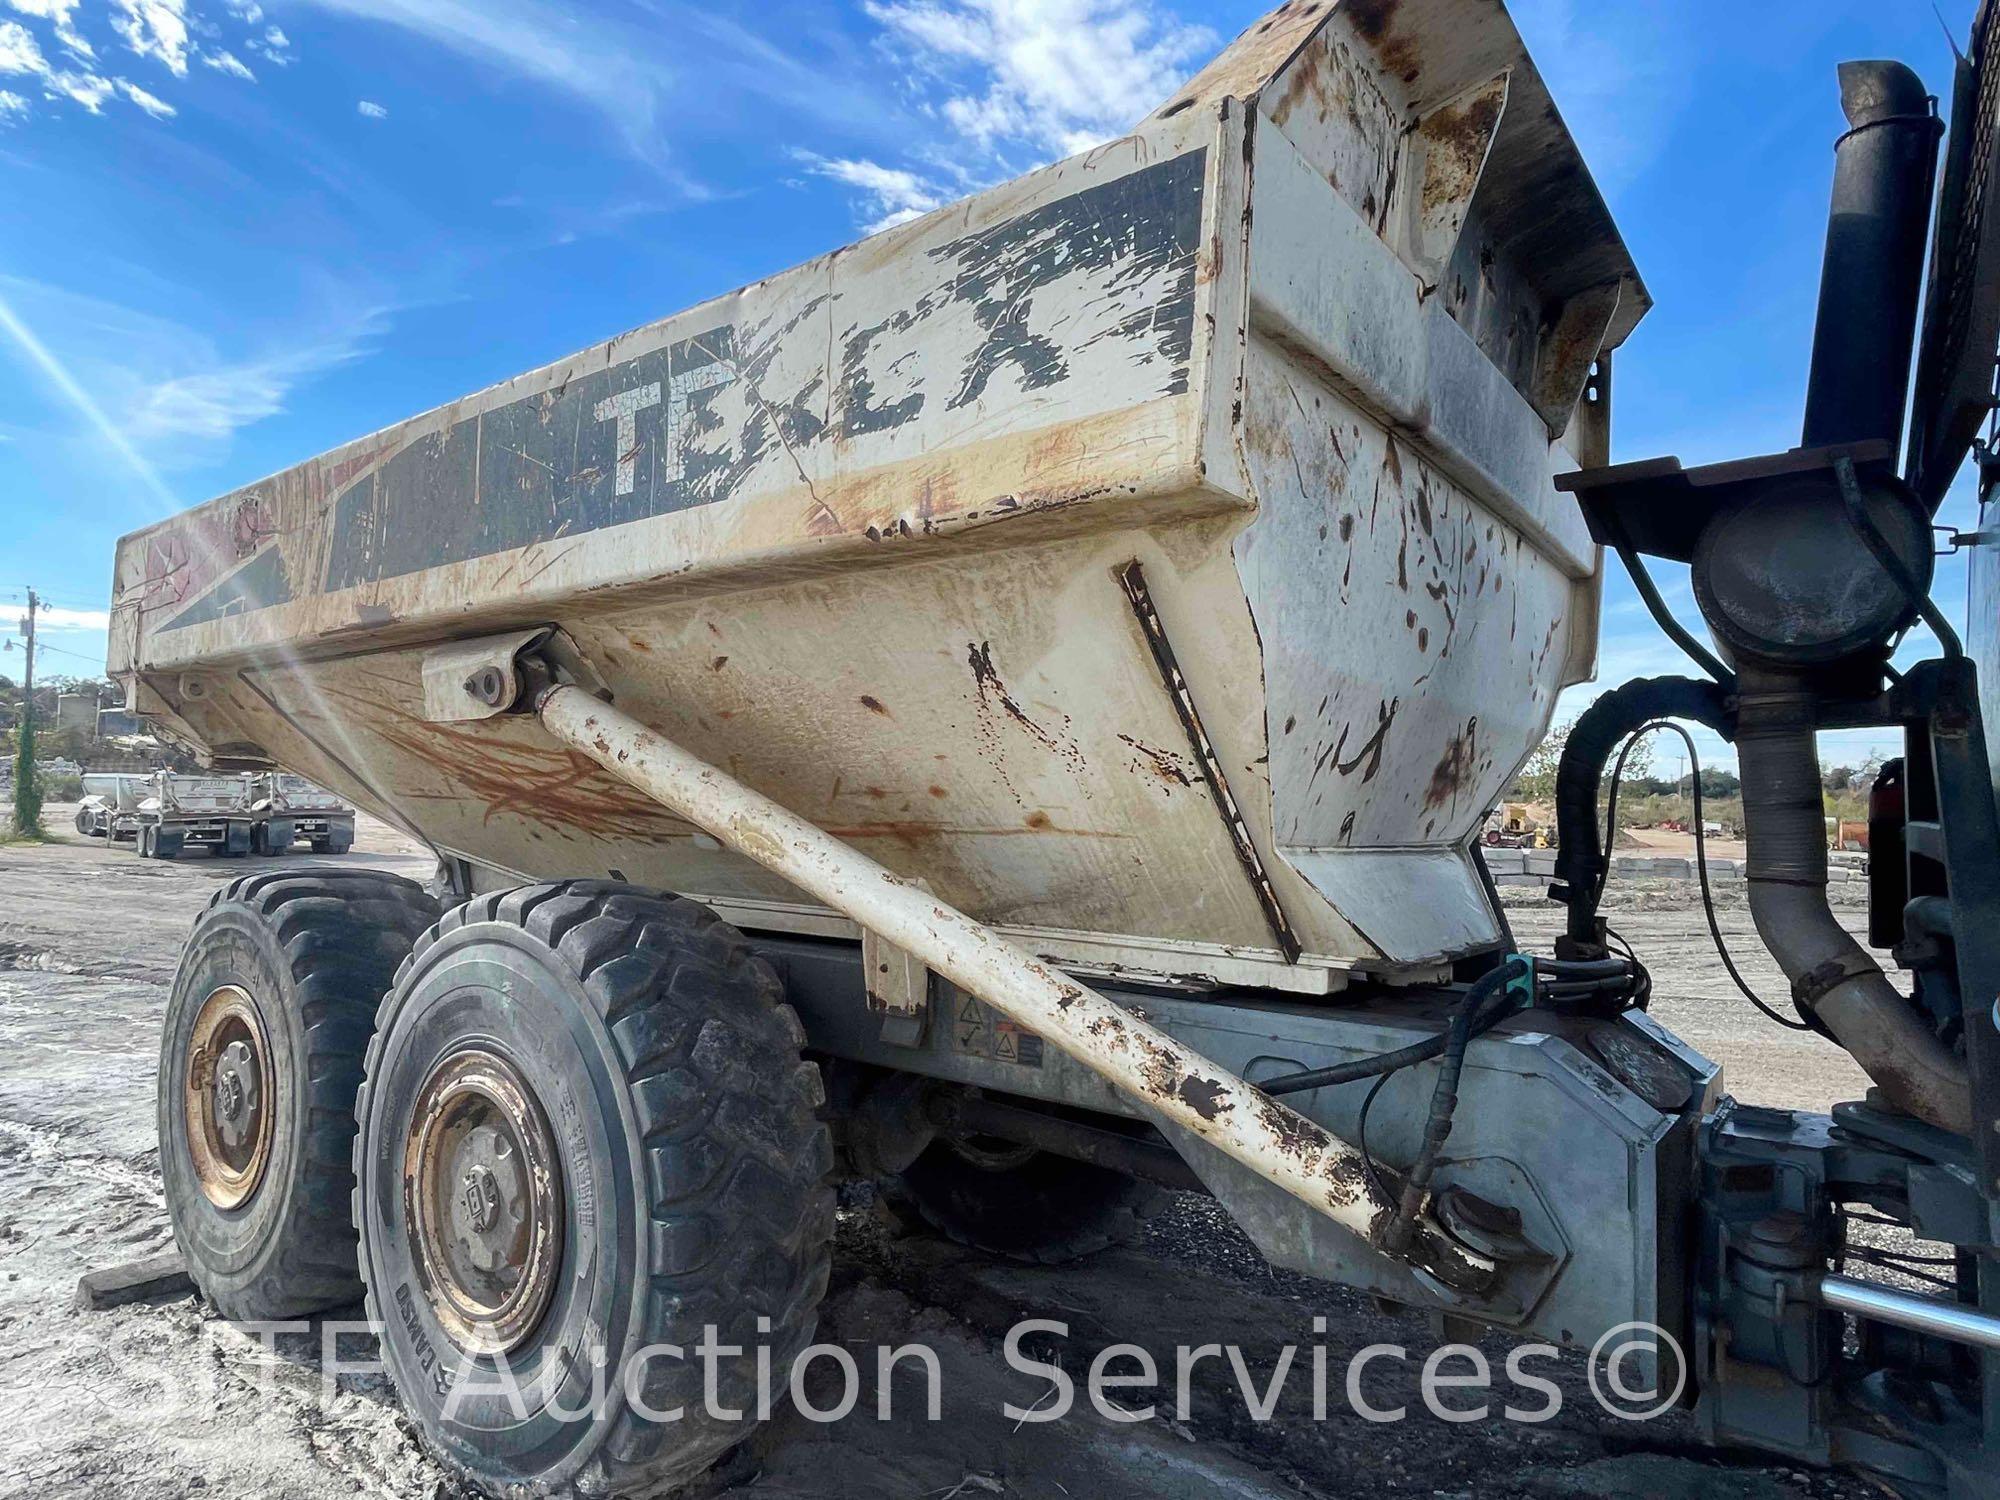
[28, 630]
[27, 792]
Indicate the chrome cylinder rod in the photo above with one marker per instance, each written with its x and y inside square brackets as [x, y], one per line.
[1931, 1315]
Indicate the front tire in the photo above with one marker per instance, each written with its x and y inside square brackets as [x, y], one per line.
[269, 1018]
[635, 1041]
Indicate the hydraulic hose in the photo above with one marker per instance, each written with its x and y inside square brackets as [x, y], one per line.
[1581, 864]
[1444, 1104]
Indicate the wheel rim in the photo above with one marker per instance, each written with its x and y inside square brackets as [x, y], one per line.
[483, 1198]
[227, 1097]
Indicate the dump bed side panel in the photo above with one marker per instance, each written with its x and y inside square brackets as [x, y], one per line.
[1156, 556]
[1035, 349]
[1421, 590]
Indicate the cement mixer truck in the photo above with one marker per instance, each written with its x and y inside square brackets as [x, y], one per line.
[1005, 711]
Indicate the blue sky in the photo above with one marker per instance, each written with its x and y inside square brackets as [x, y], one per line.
[237, 232]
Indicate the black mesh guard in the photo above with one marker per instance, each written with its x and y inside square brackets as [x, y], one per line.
[1961, 331]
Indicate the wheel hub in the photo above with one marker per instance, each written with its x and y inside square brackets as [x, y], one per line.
[226, 1097]
[239, 1095]
[483, 1195]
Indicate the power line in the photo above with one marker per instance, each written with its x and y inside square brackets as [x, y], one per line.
[42, 645]
[20, 591]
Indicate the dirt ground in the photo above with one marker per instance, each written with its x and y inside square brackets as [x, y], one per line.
[165, 1400]
[1667, 841]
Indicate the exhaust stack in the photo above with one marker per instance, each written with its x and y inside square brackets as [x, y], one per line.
[1873, 273]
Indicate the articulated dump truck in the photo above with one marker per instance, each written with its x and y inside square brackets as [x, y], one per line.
[1005, 712]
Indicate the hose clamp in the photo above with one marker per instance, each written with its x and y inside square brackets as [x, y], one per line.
[1817, 982]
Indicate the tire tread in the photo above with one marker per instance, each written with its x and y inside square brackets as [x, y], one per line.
[340, 934]
[736, 1156]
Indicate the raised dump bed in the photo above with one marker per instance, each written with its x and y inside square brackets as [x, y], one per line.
[1156, 555]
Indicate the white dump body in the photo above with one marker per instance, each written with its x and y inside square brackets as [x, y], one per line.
[1158, 555]
[194, 795]
[116, 791]
[296, 794]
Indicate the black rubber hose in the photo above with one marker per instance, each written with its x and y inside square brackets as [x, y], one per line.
[1359, 1068]
[1381, 1062]
[1444, 1105]
[1581, 864]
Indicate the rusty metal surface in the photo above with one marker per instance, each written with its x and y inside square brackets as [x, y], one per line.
[489, 661]
[1605, 1194]
[855, 533]
[1174, 1084]
[1133, 579]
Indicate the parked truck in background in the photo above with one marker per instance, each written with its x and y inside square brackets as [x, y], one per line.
[1006, 711]
[174, 813]
[110, 804]
[290, 809]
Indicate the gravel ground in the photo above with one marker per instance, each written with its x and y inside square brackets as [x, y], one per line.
[164, 1400]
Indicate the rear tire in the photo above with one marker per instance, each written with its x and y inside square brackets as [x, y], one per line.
[689, 1188]
[1024, 1205]
[265, 1229]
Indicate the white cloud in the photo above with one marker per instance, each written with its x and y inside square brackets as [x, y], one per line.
[890, 195]
[87, 89]
[152, 104]
[12, 105]
[627, 63]
[156, 29]
[51, 618]
[163, 30]
[605, 67]
[60, 14]
[1021, 81]
[1052, 75]
[370, 109]
[275, 45]
[225, 61]
[168, 392]
[209, 405]
[19, 51]
[21, 54]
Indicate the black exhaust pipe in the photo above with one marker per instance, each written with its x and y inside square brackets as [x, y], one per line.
[1872, 279]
